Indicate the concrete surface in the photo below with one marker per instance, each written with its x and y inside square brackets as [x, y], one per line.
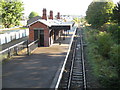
[37, 70]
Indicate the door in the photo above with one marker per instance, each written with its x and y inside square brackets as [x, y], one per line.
[41, 37]
[35, 35]
[39, 34]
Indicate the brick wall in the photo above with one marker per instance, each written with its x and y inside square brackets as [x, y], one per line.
[46, 32]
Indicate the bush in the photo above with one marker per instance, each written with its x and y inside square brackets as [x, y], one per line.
[114, 29]
[108, 76]
[115, 57]
[103, 54]
[104, 42]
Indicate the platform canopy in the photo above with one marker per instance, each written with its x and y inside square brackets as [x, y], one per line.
[61, 27]
[55, 24]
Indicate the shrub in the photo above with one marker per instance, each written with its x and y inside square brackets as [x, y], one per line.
[108, 76]
[114, 29]
[103, 54]
[104, 42]
[115, 57]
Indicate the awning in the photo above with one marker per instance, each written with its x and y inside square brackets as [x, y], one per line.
[60, 27]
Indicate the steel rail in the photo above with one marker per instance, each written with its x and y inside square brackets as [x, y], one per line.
[63, 66]
[72, 65]
[83, 62]
[74, 44]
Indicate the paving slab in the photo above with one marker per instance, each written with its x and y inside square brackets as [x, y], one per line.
[37, 70]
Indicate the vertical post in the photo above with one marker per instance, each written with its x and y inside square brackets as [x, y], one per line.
[8, 53]
[66, 32]
[28, 51]
[16, 50]
[64, 35]
[60, 39]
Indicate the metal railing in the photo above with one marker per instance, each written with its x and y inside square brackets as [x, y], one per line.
[13, 50]
[32, 46]
[23, 47]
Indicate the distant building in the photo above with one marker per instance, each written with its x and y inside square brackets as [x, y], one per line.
[66, 17]
[69, 18]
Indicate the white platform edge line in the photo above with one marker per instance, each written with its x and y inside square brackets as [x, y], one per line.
[60, 76]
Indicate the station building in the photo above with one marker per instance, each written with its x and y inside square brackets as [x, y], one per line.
[48, 30]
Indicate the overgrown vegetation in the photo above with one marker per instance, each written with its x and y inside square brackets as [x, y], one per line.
[104, 50]
[103, 53]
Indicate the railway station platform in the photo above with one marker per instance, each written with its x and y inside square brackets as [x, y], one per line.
[39, 70]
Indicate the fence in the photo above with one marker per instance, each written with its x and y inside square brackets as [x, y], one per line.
[12, 35]
[24, 48]
[32, 46]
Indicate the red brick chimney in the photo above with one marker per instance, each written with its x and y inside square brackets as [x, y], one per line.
[44, 14]
[58, 15]
[51, 15]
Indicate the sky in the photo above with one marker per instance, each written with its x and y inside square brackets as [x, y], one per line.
[65, 7]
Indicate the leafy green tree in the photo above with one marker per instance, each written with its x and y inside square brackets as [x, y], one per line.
[33, 14]
[116, 13]
[0, 13]
[11, 12]
[114, 30]
[99, 13]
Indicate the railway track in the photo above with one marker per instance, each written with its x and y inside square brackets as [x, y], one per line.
[73, 76]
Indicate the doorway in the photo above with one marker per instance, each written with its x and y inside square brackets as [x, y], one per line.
[39, 34]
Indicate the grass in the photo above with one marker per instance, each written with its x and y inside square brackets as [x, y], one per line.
[5, 57]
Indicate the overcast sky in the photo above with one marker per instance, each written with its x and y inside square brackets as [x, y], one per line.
[65, 7]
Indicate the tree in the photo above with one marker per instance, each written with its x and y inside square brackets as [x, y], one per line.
[116, 13]
[99, 13]
[77, 21]
[0, 13]
[33, 14]
[11, 12]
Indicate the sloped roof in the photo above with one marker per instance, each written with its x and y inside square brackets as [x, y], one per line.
[42, 21]
[52, 22]
[33, 20]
